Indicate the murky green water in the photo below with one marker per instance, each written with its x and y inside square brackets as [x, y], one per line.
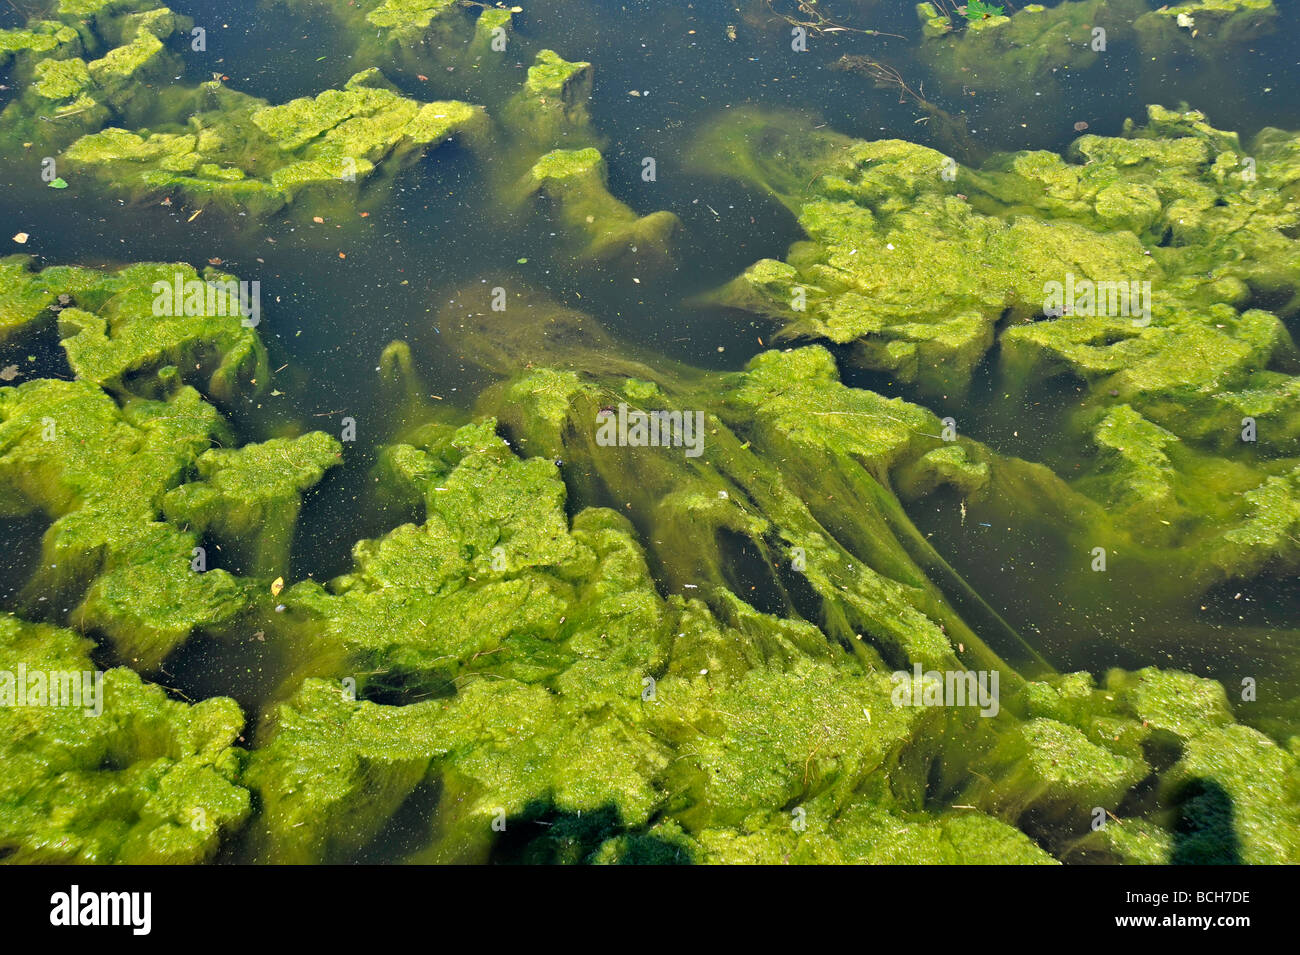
[413, 259]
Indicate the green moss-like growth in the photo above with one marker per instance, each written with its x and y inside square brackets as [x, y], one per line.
[918, 280]
[146, 780]
[1056, 771]
[409, 18]
[550, 112]
[80, 73]
[99, 472]
[534, 636]
[1204, 28]
[1178, 703]
[118, 71]
[1234, 792]
[122, 330]
[29, 298]
[1032, 46]
[247, 155]
[576, 180]
[248, 498]
[332, 771]
[896, 263]
[38, 37]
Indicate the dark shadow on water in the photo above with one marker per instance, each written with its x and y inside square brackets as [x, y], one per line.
[1205, 833]
[541, 835]
[408, 830]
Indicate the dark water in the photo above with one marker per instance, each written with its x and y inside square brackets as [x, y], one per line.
[440, 236]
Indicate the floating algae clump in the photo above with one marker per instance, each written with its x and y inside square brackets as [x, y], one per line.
[503, 663]
[1234, 784]
[550, 111]
[1172, 234]
[145, 780]
[408, 18]
[1030, 47]
[99, 472]
[915, 277]
[248, 497]
[516, 665]
[29, 298]
[590, 650]
[564, 618]
[116, 334]
[136, 323]
[1204, 27]
[66, 90]
[40, 36]
[244, 154]
[576, 179]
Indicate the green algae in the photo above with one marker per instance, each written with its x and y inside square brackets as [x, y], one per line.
[577, 181]
[246, 155]
[115, 335]
[131, 574]
[149, 780]
[920, 282]
[125, 341]
[1036, 45]
[83, 72]
[26, 296]
[40, 36]
[547, 716]
[550, 110]
[248, 498]
[490, 658]
[1238, 773]
[1204, 28]
[498, 582]
[498, 655]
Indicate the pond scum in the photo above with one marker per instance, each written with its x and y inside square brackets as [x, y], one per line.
[746, 654]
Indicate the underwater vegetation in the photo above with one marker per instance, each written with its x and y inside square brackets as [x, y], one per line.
[735, 641]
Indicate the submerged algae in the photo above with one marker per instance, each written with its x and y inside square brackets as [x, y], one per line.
[514, 663]
[1032, 45]
[115, 335]
[546, 714]
[67, 91]
[98, 472]
[919, 281]
[709, 683]
[148, 780]
[577, 180]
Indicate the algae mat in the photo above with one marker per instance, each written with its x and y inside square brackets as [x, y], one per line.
[580, 432]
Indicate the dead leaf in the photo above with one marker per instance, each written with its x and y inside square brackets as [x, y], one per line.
[277, 585]
[9, 373]
[21, 238]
